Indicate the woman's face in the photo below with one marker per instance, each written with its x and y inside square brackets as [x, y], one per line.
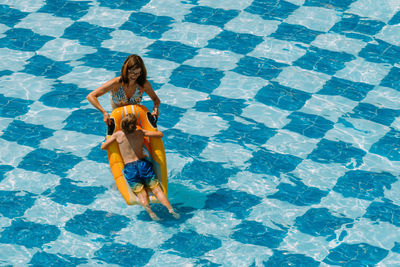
[134, 72]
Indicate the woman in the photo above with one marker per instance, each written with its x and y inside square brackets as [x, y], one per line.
[127, 89]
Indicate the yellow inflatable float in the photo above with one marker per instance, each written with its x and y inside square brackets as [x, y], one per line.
[153, 149]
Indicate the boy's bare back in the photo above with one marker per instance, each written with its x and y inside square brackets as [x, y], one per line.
[130, 145]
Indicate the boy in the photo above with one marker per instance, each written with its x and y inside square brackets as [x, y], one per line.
[138, 171]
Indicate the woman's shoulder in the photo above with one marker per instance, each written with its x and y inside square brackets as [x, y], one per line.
[147, 85]
[115, 84]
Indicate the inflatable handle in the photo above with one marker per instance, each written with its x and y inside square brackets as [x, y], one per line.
[111, 127]
[152, 119]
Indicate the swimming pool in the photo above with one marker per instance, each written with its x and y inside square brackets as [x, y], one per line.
[280, 119]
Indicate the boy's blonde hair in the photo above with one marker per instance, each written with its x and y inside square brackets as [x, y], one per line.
[128, 124]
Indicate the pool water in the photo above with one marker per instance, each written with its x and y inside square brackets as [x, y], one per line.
[281, 123]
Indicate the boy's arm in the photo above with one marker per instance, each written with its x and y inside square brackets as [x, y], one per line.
[152, 133]
[108, 142]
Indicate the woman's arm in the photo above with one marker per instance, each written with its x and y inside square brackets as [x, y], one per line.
[150, 92]
[106, 87]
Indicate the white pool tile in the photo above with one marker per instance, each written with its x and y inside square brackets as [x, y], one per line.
[230, 153]
[382, 10]
[25, 5]
[234, 85]
[314, 18]
[360, 70]
[338, 43]
[86, 77]
[252, 24]
[287, 142]
[159, 70]
[13, 159]
[329, 107]
[390, 34]
[272, 117]
[278, 50]
[211, 58]
[29, 181]
[127, 42]
[25, 86]
[106, 17]
[191, 34]
[201, 123]
[361, 133]
[226, 4]
[14, 60]
[175, 9]
[69, 141]
[301, 79]
[45, 24]
[61, 49]
[383, 97]
[180, 97]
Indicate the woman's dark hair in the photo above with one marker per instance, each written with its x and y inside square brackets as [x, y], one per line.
[128, 124]
[133, 61]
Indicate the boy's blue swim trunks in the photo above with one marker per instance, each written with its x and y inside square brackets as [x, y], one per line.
[140, 174]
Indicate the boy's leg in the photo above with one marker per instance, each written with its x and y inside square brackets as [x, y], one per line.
[158, 192]
[132, 176]
[144, 201]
